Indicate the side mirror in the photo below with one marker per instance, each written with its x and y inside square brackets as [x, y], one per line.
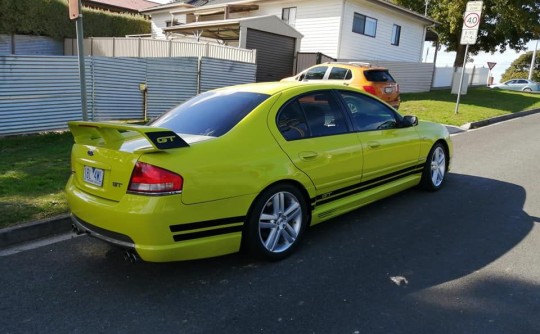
[409, 121]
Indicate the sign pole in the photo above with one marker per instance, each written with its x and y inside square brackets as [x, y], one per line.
[531, 70]
[456, 111]
[75, 13]
[491, 65]
[469, 34]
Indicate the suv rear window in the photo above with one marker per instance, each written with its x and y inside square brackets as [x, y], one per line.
[378, 76]
[212, 113]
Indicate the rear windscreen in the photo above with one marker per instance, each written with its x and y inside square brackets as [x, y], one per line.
[378, 76]
[212, 113]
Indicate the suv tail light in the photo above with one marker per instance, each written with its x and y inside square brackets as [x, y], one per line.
[397, 88]
[149, 179]
[370, 89]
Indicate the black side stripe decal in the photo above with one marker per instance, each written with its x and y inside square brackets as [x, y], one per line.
[363, 186]
[206, 224]
[207, 233]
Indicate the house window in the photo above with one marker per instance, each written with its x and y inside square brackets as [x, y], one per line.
[364, 25]
[396, 33]
[289, 15]
[172, 23]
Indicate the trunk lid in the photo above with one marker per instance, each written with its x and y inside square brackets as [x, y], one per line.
[105, 153]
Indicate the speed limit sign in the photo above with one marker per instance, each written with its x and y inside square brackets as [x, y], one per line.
[471, 22]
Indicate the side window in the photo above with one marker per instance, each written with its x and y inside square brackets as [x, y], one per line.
[323, 114]
[316, 73]
[338, 73]
[291, 122]
[369, 114]
[312, 115]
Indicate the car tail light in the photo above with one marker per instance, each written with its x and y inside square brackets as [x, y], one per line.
[397, 88]
[149, 179]
[370, 89]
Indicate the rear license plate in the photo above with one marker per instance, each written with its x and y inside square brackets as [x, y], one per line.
[93, 176]
[388, 90]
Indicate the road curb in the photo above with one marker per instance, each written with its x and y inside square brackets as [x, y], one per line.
[489, 121]
[34, 230]
[62, 224]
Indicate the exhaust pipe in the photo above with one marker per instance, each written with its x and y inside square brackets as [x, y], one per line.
[131, 256]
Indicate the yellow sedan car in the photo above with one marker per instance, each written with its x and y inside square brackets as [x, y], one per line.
[251, 165]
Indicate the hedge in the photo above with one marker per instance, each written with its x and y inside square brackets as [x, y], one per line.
[50, 18]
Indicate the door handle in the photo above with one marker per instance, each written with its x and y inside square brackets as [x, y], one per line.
[373, 144]
[309, 155]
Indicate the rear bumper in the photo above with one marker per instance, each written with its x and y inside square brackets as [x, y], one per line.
[161, 229]
[114, 238]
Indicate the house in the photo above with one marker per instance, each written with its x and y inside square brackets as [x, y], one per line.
[351, 29]
[341, 29]
[120, 6]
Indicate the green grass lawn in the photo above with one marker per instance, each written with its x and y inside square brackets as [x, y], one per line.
[478, 104]
[33, 172]
[35, 168]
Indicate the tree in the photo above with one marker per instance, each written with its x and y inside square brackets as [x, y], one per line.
[519, 69]
[505, 24]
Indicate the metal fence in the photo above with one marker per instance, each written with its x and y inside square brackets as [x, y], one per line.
[147, 47]
[412, 77]
[43, 93]
[38, 93]
[30, 45]
[307, 59]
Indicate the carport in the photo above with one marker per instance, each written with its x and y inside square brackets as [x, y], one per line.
[276, 42]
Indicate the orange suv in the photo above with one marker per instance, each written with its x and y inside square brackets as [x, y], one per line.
[374, 80]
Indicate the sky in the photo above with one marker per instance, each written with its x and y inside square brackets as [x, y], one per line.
[503, 60]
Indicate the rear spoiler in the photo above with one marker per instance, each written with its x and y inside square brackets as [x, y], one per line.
[114, 134]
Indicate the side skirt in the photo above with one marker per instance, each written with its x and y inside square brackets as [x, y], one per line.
[342, 204]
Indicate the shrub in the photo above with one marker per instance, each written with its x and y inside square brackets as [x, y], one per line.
[50, 18]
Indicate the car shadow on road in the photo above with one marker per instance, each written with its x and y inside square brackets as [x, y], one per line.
[414, 262]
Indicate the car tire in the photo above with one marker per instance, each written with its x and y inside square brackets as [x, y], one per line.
[435, 168]
[276, 222]
[527, 89]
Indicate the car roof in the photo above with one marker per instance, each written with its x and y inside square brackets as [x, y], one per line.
[272, 88]
[353, 64]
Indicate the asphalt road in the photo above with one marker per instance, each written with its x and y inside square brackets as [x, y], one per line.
[461, 260]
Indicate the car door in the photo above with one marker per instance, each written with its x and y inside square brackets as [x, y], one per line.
[316, 135]
[389, 150]
[521, 84]
[339, 75]
[513, 85]
[315, 73]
